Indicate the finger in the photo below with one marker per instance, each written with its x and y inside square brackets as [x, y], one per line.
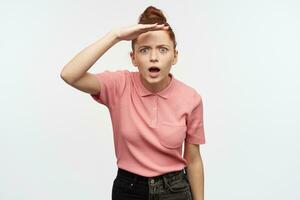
[156, 26]
[147, 26]
[160, 27]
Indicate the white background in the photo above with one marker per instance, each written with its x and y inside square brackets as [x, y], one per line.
[242, 57]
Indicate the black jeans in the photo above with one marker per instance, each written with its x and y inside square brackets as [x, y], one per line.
[169, 186]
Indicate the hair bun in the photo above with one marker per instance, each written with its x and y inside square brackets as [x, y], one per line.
[152, 15]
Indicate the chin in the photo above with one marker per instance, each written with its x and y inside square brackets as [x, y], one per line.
[153, 80]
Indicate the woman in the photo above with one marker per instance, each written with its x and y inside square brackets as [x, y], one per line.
[152, 113]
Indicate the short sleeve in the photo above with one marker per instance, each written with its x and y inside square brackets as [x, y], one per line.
[112, 85]
[195, 126]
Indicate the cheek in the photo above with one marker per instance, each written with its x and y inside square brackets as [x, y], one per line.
[141, 60]
[169, 60]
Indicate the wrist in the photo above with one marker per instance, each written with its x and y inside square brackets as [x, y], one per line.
[115, 35]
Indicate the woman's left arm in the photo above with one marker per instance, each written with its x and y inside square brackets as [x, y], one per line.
[195, 171]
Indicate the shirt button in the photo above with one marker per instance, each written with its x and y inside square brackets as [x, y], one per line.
[152, 181]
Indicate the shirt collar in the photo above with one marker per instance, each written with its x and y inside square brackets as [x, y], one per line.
[143, 91]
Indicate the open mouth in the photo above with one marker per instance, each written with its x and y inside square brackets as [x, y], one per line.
[154, 72]
[154, 69]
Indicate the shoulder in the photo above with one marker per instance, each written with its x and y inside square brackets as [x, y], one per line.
[126, 72]
[114, 73]
[188, 94]
[118, 71]
[186, 90]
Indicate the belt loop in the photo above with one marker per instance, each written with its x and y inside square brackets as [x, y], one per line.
[165, 182]
[182, 173]
[135, 179]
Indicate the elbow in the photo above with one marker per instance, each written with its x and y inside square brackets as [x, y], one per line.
[62, 75]
[65, 77]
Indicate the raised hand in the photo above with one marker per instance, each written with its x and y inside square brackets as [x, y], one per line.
[132, 32]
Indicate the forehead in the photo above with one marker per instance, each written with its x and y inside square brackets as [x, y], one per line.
[153, 38]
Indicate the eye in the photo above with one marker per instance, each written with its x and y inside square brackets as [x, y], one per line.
[143, 50]
[164, 49]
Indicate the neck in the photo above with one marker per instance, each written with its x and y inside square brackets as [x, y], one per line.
[158, 86]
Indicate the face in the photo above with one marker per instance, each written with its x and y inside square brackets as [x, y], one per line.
[154, 49]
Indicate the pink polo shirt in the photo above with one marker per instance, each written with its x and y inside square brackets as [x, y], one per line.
[150, 128]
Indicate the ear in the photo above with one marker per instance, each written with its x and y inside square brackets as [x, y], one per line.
[133, 58]
[175, 57]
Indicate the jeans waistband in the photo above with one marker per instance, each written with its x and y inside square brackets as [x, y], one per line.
[130, 175]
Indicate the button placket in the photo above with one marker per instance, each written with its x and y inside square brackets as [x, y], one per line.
[154, 112]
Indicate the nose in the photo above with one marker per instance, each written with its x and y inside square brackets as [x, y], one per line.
[153, 56]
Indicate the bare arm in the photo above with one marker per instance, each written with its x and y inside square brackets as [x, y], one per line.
[75, 71]
[195, 170]
[83, 61]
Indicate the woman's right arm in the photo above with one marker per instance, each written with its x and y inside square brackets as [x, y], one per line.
[75, 71]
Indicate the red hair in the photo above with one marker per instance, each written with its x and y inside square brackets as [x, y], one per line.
[152, 15]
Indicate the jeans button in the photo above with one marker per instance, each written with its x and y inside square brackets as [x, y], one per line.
[152, 181]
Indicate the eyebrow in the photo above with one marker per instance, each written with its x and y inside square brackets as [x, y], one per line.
[157, 46]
